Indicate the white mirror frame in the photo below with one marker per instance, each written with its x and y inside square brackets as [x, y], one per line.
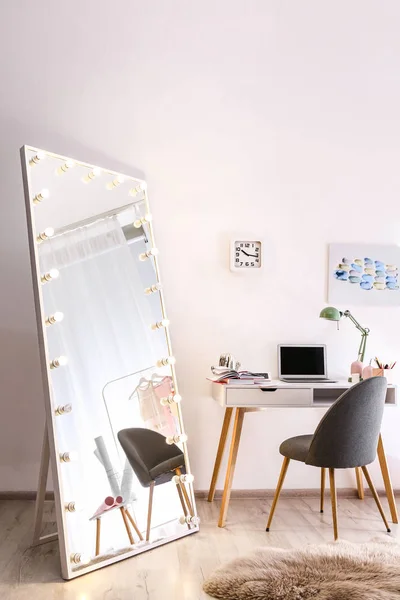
[50, 446]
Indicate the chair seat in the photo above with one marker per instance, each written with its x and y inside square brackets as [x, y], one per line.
[162, 472]
[297, 447]
[151, 458]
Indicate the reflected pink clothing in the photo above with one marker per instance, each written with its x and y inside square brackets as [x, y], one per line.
[155, 416]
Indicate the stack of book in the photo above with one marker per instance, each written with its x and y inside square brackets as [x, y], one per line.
[232, 377]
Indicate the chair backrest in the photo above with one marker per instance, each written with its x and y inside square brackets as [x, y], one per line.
[145, 449]
[347, 435]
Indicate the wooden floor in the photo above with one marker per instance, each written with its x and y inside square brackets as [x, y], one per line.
[175, 571]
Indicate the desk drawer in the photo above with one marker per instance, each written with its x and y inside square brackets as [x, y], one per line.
[268, 397]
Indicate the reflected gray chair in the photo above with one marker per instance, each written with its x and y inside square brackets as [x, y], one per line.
[154, 462]
[346, 437]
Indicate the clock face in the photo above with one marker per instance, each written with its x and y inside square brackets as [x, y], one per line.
[247, 255]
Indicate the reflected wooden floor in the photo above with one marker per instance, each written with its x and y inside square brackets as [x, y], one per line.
[175, 571]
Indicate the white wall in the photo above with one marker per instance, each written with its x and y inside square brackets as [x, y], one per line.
[280, 118]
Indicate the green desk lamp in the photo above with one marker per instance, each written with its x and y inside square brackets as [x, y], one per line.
[333, 314]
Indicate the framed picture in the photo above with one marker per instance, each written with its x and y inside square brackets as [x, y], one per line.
[364, 274]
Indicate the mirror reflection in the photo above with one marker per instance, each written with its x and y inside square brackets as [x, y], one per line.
[122, 466]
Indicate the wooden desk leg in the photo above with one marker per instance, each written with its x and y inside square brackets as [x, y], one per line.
[360, 484]
[237, 430]
[220, 452]
[387, 481]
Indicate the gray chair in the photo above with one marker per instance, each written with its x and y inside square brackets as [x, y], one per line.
[346, 437]
[154, 463]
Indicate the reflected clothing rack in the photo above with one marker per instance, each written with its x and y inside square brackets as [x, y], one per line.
[156, 416]
[149, 403]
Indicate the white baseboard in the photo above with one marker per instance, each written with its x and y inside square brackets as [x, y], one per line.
[296, 493]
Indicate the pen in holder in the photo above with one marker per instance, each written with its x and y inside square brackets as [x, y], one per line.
[384, 370]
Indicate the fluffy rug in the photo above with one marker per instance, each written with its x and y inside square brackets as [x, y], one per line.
[336, 571]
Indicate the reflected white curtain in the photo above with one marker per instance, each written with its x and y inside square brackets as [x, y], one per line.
[105, 334]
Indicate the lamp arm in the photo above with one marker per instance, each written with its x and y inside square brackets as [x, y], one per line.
[363, 344]
[364, 330]
[364, 335]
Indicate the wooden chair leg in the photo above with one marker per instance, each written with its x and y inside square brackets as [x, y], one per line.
[98, 529]
[150, 509]
[185, 511]
[187, 500]
[185, 494]
[128, 529]
[376, 497]
[135, 527]
[321, 506]
[334, 502]
[281, 479]
[360, 485]
[387, 481]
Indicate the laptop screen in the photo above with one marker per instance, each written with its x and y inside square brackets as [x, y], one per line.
[306, 361]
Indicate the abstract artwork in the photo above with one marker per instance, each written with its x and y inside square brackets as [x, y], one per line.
[364, 274]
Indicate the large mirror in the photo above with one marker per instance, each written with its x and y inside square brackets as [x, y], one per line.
[114, 429]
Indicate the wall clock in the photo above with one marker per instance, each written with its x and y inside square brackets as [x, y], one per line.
[246, 254]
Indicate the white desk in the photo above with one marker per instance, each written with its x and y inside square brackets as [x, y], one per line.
[250, 398]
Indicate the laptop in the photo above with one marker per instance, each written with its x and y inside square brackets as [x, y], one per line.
[303, 363]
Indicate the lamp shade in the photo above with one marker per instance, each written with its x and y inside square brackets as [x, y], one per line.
[330, 313]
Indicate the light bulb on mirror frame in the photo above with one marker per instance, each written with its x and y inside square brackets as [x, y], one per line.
[165, 362]
[73, 507]
[186, 478]
[115, 182]
[67, 457]
[60, 361]
[139, 222]
[164, 323]
[95, 172]
[156, 287]
[189, 520]
[180, 438]
[63, 410]
[79, 558]
[57, 317]
[45, 235]
[50, 275]
[146, 255]
[171, 399]
[37, 158]
[69, 164]
[42, 195]
[142, 187]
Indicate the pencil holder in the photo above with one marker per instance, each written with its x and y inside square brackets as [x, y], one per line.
[388, 373]
[377, 372]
